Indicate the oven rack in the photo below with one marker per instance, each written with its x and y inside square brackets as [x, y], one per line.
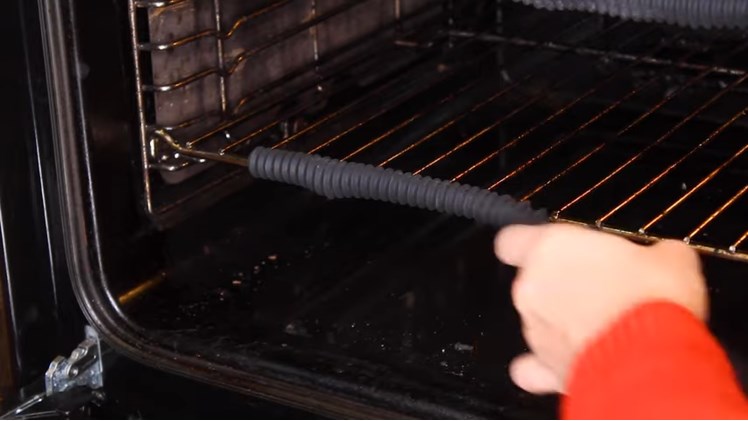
[610, 200]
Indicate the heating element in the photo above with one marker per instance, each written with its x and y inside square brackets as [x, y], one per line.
[634, 129]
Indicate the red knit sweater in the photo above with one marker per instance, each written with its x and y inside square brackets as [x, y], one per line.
[657, 361]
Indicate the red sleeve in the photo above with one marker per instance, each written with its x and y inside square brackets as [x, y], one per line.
[657, 361]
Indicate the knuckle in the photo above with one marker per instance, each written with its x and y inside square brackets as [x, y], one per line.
[522, 295]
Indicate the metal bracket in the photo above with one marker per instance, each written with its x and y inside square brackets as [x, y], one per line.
[83, 368]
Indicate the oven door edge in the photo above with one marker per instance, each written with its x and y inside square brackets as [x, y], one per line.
[42, 317]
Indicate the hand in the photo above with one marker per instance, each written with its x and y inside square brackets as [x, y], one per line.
[572, 283]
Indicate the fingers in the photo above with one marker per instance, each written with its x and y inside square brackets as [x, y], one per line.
[513, 244]
[691, 287]
[531, 375]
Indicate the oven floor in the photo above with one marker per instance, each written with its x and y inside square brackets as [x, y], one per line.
[410, 304]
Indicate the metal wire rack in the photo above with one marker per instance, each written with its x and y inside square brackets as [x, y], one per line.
[219, 74]
[634, 129]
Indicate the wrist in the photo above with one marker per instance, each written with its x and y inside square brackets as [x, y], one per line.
[650, 352]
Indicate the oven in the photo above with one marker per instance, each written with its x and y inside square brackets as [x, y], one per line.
[180, 260]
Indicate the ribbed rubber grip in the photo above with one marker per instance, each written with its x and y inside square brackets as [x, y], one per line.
[336, 179]
[692, 13]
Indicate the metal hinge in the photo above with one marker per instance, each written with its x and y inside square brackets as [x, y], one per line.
[83, 368]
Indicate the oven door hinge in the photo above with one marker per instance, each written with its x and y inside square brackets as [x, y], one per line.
[61, 397]
[83, 367]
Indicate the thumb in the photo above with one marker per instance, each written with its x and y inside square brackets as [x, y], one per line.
[514, 243]
[530, 374]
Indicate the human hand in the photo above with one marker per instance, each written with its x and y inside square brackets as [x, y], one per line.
[573, 282]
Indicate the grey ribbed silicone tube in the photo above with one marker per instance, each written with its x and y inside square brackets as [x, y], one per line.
[692, 13]
[336, 179]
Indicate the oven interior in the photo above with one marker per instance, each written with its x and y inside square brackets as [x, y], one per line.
[357, 308]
